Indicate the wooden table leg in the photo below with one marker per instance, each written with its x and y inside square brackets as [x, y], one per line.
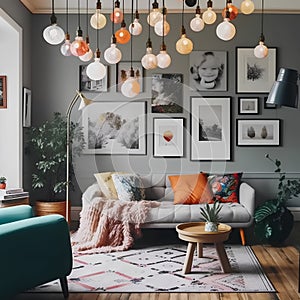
[200, 250]
[223, 258]
[189, 258]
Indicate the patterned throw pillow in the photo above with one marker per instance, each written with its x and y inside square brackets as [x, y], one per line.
[225, 187]
[129, 187]
[191, 189]
[106, 184]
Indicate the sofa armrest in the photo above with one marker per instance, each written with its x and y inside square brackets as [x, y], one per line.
[247, 197]
[33, 251]
[15, 213]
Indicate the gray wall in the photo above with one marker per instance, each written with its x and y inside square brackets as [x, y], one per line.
[55, 78]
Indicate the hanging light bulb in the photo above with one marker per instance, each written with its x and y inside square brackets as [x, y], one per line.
[89, 54]
[184, 45]
[163, 58]
[149, 60]
[247, 7]
[209, 16]
[117, 15]
[226, 30]
[112, 54]
[233, 11]
[98, 20]
[162, 27]
[131, 87]
[79, 46]
[261, 50]
[155, 15]
[96, 70]
[197, 23]
[136, 28]
[53, 34]
[65, 48]
[122, 35]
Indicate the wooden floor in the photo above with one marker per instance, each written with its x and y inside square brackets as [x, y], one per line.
[280, 264]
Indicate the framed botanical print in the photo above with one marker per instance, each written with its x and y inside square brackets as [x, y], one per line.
[88, 85]
[123, 72]
[168, 137]
[258, 132]
[248, 105]
[210, 128]
[255, 75]
[208, 70]
[112, 127]
[3, 92]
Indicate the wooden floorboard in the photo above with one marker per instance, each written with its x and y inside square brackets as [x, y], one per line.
[279, 263]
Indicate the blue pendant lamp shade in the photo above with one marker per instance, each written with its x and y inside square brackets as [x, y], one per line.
[284, 91]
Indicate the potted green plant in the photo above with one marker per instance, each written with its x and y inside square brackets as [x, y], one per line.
[47, 143]
[3, 182]
[210, 213]
[273, 220]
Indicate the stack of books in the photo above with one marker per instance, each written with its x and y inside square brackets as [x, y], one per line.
[12, 194]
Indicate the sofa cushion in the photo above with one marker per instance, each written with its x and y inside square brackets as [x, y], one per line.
[106, 184]
[225, 187]
[129, 187]
[191, 189]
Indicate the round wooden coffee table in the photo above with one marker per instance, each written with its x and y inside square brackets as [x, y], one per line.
[196, 236]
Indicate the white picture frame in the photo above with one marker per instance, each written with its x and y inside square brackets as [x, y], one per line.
[210, 128]
[94, 86]
[26, 107]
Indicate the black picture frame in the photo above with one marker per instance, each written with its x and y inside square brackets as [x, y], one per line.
[248, 105]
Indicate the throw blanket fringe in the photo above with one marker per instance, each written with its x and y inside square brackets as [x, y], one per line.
[110, 225]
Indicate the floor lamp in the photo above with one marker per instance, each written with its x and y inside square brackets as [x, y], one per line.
[84, 102]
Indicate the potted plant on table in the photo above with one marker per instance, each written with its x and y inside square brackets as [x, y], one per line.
[3, 183]
[47, 143]
[273, 220]
[210, 213]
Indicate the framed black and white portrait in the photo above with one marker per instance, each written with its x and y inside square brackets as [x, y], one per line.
[167, 93]
[208, 70]
[255, 75]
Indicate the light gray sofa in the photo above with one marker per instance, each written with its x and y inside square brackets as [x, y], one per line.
[167, 215]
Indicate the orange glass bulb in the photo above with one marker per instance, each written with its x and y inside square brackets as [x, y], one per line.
[233, 10]
[122, 35]
[116, 16]
[79, 47]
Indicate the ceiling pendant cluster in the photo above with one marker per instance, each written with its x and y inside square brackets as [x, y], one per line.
[157, 19]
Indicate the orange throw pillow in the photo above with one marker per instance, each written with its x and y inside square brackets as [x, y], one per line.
[191, 189]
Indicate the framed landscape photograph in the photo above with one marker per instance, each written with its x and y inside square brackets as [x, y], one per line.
[208, 70]
[258, 132]
[248, 106]
[88, 85]
[123, 72]
[210, 128]
[167, 93]
[168, 137]
[26, 107]
[115, 127]
[255, 75]
[3, 92]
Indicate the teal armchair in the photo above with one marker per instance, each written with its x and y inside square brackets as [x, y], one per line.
[33, 250]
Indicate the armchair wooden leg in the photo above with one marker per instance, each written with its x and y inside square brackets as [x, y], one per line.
[242, 235]
[64, 287]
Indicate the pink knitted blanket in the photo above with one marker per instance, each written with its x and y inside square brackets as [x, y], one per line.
[110, 225]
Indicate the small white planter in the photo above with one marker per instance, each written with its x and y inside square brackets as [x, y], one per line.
[211, 226]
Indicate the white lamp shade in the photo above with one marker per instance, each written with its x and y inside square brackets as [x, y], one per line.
[136, 29]
[87, 56]
[209, 16]
[261, 51]
[149, 60]
[226, 30]
[247, 7]
[53, 34]
[112, 54]
[65, 48]
[184, 45]
[131, 87]
[159, 30]
[98, 20]
[197, 24]
[163, 59]
[96, 70]
[154, 17]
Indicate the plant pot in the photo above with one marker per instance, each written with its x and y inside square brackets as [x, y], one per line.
[2, 186]
[211, 227]
[43, 208]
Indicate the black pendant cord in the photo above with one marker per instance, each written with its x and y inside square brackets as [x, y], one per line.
[112, 22]
[149, 5]
[87, 19]
[131, 38]
[78, 14]
[262, 20]
[182, 13]
[123, 12]
[163, 24]
[67, 17]
[53, 17]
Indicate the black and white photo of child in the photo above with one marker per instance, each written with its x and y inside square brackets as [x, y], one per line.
[208, 70]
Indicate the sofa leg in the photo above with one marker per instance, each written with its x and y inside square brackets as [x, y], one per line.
[242, 235]
[64, 287]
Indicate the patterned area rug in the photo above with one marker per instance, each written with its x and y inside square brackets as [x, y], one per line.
[159, 269]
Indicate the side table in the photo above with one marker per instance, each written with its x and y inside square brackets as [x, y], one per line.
[195, 234]
[14, 201]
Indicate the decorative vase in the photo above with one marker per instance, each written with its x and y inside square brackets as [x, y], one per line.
[211, 226]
